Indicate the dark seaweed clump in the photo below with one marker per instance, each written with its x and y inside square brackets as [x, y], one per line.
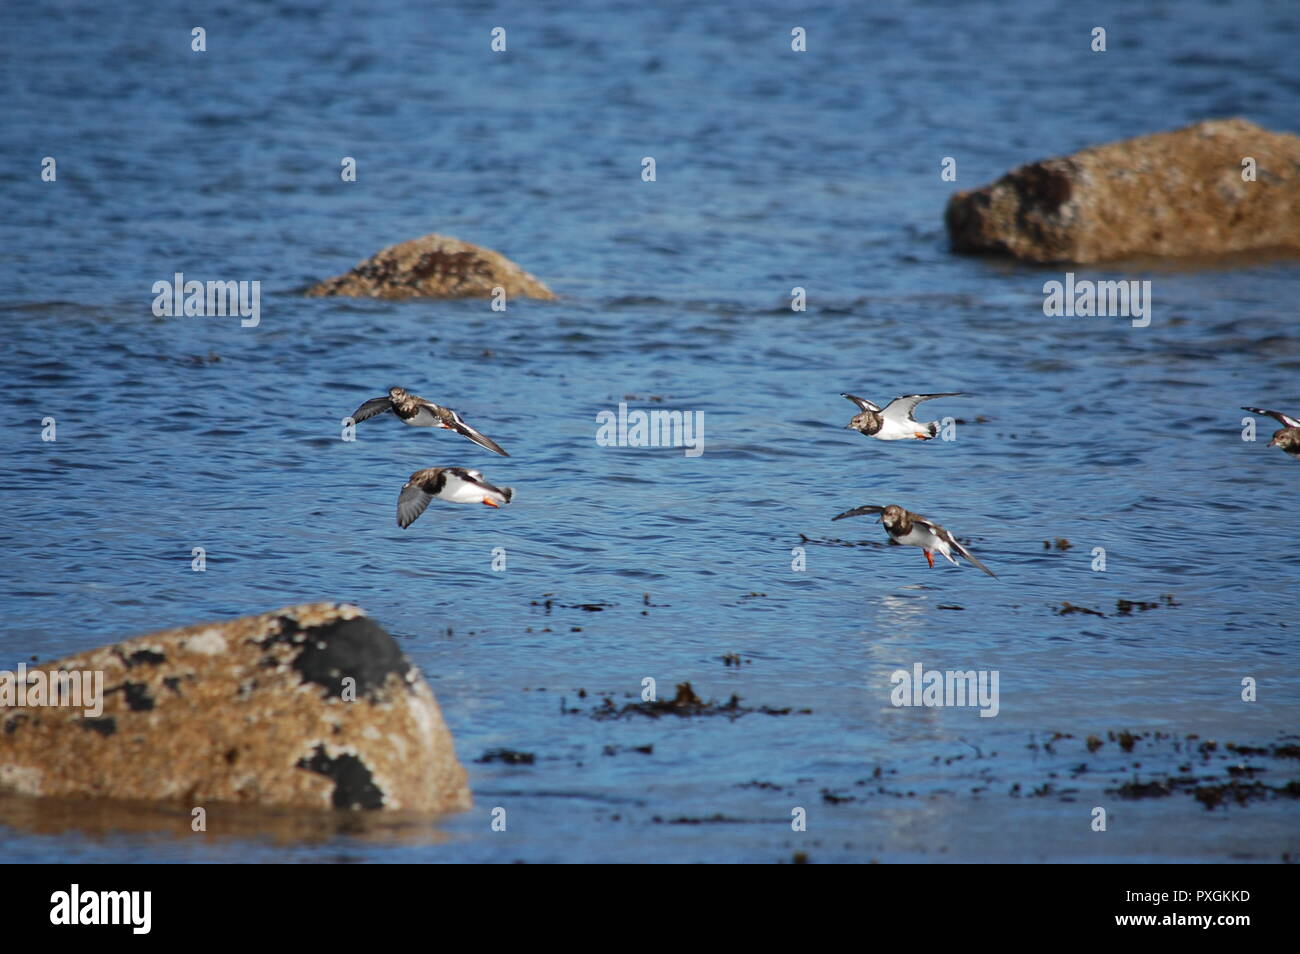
[684, 704]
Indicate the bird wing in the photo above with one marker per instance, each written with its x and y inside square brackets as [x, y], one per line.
[373, 407]
[1286, 419]
[411, 503]
[862, 403]
[455, 422]
[901, 408]
[859, 511]
[955, 543]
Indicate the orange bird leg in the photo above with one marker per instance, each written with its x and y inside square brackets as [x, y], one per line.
[922, 437]
[492, 503]
[929, 558]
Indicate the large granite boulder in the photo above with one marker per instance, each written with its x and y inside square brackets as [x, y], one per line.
[1170, 194]
[433, 266]
[311, 706]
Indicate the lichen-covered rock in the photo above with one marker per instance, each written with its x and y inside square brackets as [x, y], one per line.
[1170, 194]
[434, 266]
[311, 706]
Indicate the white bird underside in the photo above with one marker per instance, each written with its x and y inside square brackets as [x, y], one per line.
[457, 490]
[922, 536]
[901, 429]
[469, 489]
[423, 417]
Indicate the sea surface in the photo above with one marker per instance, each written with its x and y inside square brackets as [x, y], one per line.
[774, 169]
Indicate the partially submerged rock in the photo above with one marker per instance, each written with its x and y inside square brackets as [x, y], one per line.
[434, 266]
[311, 706]
[1170, 194]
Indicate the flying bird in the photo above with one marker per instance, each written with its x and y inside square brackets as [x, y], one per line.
[1288, 437]
[914, 530]
[416, 411]
[894, 422]
[453, 484]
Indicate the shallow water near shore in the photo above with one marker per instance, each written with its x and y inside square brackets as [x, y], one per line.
[774, 170]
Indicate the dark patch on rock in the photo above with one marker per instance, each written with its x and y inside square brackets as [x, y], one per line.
[104, 726]
[13, 722]
[137, 696]
[452, 268]
[1046, 185]
[144, 657]
[358, 648]
[354, 787]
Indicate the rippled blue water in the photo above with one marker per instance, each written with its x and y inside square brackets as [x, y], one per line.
[774, 169]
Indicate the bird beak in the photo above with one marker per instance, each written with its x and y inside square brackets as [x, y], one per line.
[1273, 442]
[848, 427]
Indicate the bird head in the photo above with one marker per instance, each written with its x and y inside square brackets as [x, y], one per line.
[861, 422]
